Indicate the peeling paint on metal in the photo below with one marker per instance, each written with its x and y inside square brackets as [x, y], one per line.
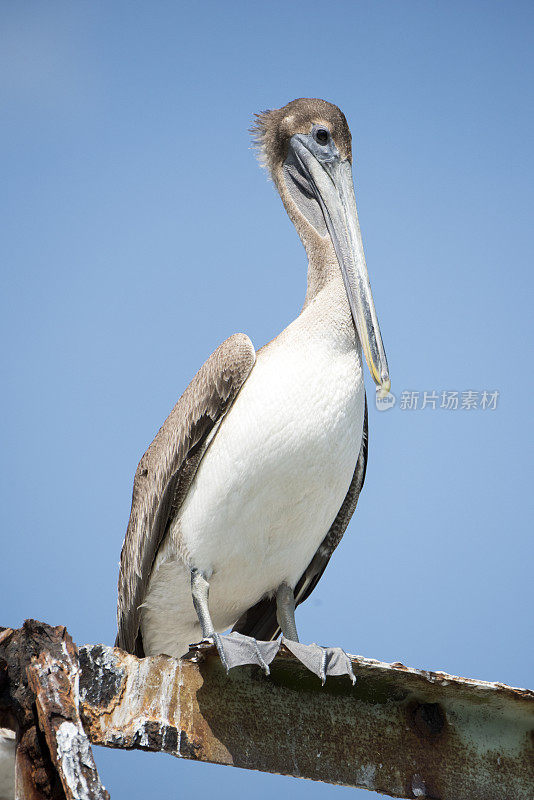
[418, 786]
[73, 749]
[365, 776]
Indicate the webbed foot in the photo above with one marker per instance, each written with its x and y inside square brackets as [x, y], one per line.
[323, 661]
[236, 650]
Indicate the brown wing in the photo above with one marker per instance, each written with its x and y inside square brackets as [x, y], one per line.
[260, 620]
[167, 469]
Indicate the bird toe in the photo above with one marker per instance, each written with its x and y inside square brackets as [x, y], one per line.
[323, 661]
[236, 650]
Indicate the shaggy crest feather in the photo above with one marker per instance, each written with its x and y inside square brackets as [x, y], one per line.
[258, 131]
[272, 129]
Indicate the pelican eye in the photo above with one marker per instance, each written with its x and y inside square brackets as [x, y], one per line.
[321, 136]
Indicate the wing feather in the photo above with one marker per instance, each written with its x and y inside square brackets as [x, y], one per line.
[167, 469]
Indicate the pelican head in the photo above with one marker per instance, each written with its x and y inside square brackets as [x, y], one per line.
[306, 146]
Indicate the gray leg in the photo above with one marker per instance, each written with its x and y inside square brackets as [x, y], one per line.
[200, 590]
[234, 650]
[285, 611]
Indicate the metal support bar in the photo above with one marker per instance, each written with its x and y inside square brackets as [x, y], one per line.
[39, 699]
[399, 731]
[55, 682]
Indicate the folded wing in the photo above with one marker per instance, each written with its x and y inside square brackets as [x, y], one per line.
[167, 469]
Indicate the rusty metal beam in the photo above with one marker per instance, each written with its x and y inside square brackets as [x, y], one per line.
[39, 699]
[35, 775]
[55, 681]
[399, 731]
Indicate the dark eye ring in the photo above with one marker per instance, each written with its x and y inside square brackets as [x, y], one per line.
[321, 135]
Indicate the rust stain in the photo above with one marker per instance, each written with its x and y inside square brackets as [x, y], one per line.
[428, 719]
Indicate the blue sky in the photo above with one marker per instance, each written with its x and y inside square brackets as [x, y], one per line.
[139, 232]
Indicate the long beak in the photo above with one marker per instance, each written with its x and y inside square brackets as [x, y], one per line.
[334, 188]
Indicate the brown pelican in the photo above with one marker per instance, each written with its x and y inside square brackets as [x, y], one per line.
[249, 485]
